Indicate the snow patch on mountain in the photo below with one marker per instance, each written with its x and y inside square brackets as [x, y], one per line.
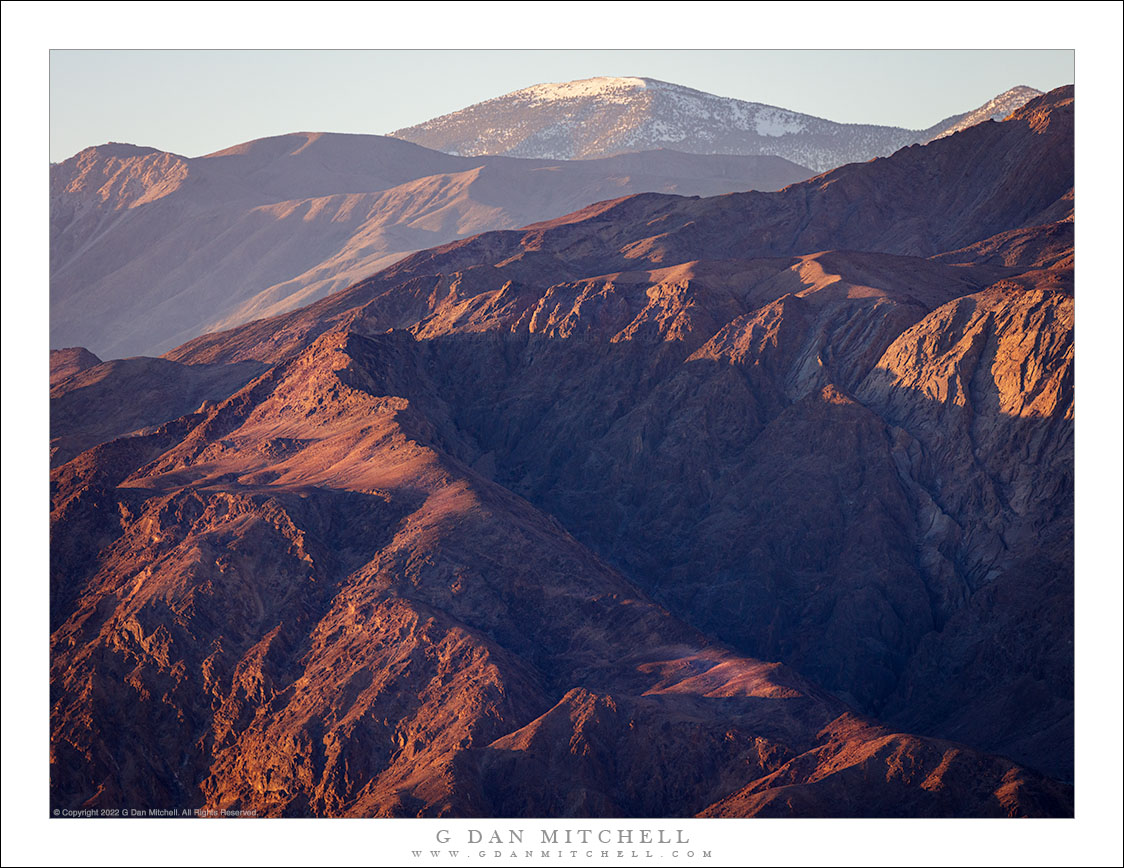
[604, 87]
[774, 122]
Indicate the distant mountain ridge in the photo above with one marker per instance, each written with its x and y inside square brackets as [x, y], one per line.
[150, 249]
[598, 117]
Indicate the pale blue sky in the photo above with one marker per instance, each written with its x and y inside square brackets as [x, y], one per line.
[195, 102]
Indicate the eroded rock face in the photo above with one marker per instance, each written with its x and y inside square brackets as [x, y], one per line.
[511, 527]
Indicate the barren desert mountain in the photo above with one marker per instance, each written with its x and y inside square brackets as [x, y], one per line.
[751, 505]
[149, 249]
[598, 117]
[70, 360]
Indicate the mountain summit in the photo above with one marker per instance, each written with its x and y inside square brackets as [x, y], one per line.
[993, 110]
[597, 117]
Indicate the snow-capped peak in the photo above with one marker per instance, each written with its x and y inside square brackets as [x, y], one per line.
[602, 86]
[597, 117]
[1009, 101]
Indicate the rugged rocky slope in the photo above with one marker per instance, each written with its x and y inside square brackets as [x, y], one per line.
[321, 613]
[533, 507]
[105, 400]
[599, 117]
[149, 249]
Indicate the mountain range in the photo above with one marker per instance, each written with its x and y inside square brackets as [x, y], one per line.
[599, 117]
[149, 249]
[757, 504]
